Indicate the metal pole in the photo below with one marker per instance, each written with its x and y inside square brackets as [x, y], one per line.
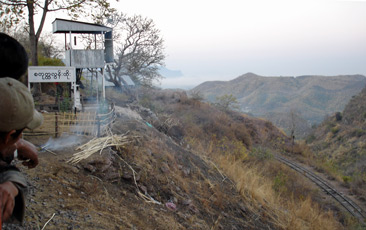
[98, 124]
[70, 44]
[103, 83]
[91, 83]
[97, 83]
[65, 42]
[56, 125]
[74, 83]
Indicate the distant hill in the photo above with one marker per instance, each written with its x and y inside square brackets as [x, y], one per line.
[310, 98]
[168, 73]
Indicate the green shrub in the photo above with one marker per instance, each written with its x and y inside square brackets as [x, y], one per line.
[347, 179]
[233, 148]
[310, 139]
[279, 183]
[261, 153]
[335, 129]
[65, 105]
[330, 125]
[47, 61]
[358, 132]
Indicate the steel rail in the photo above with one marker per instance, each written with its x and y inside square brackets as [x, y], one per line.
[346, 202]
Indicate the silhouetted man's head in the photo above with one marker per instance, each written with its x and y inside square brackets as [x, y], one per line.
[13, 57]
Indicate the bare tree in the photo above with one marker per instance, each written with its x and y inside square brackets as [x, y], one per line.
[13, 12]
[227, 102]
[139, 50]
[196, 95]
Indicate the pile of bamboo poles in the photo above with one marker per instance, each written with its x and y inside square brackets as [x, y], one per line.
[97, 145]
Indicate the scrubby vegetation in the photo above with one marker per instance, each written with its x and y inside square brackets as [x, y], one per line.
[242, 148]
[339, 145]
[189, 165]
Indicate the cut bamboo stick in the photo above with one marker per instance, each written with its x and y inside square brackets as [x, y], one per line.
[97, 145]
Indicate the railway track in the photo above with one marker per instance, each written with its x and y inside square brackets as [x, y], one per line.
[347, 203]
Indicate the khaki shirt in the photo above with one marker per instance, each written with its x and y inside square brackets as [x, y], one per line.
[11, 173]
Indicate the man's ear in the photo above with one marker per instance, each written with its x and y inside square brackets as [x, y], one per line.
[9, 138]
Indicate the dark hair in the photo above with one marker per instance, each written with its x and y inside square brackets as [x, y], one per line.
[13, 57]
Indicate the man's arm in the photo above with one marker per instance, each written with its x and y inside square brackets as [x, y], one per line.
[13, 187]
[27, 153]
[8, 192]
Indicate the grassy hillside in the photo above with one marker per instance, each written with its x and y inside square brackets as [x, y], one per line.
[188, 165]
[311, 97]
[242, 148]
[340, 145]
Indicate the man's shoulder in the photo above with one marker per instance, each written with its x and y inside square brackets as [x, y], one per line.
[13, 175]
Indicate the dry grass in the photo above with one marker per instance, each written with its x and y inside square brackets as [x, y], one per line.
[286, 210]
[287, 214]
[226, 139]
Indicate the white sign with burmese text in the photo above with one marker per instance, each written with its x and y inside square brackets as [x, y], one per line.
[46, 74]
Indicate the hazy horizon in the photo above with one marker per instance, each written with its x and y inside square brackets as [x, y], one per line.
[216, 40]
[187, 83]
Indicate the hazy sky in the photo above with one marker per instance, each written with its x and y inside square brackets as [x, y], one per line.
[221, 40]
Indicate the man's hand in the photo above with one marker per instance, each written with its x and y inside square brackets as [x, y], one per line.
[8, 192]
[27, 152]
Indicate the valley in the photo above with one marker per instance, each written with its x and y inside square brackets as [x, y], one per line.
[189, 165]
